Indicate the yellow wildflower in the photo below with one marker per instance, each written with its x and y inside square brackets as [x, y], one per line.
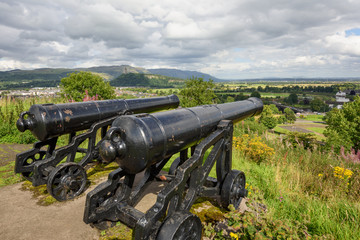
[342, 173]
[234, 236]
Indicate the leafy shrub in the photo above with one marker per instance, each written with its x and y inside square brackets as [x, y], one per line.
[281, 119]
[290, 115]
[305, 140]
[269, 122]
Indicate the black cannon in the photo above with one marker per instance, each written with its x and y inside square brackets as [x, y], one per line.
[145, 143]
[47, 122]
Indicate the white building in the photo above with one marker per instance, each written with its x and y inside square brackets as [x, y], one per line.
[341, 97]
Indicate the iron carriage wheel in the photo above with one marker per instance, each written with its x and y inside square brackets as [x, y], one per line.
[67, 181]
[233, 189]
[180, 226]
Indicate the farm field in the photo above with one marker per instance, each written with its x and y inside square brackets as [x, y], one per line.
[303, 126]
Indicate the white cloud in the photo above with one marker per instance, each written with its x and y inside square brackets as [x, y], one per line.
[341, 44]
[279, 38]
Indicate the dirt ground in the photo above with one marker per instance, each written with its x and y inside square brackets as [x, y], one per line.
[22, 218]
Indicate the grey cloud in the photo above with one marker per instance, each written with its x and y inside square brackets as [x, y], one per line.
[115, 28]
[273, 35]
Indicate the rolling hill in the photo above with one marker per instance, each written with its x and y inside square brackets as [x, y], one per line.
[50, 77]
[182, 74]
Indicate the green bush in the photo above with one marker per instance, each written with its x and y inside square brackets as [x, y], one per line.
[281, 119]
[269, 122]
[305, 140]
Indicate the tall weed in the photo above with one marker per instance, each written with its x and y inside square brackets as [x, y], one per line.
[305, 185]
[10, 109]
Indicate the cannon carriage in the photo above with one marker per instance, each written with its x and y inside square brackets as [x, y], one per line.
[56, 167]
[144, 143]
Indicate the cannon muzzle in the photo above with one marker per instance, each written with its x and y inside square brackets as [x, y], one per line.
[137, 141]
[51, 120]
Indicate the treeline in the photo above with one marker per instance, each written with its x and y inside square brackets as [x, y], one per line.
[30, 84]
[20, 79]
[17, 76]
[287, 89]
[224, 98]
[145, 80]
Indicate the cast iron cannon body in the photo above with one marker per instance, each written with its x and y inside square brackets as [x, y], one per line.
[145, 143]
[47, 122]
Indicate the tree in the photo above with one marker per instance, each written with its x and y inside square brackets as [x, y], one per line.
[290, 115]
[75, 85]
[255, 94]
[318, 105]
[267, 118]
[343, 128]
[292, 98]
[240, 97]
[197, 92]
[230, 99]
[274, 109]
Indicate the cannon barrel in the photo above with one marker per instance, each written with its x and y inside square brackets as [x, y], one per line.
[138, 141]
[50, 120]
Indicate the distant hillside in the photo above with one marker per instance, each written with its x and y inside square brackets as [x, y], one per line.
[50, 77]
[115, 71]
[146, 80]
[182, 74]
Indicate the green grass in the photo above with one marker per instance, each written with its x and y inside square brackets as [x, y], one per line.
[279, 129]
[316, 129]
[316, 118]
[7, 175]
[290, 186]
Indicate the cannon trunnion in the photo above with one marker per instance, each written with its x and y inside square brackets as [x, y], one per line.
[145, 143]
[41, 165]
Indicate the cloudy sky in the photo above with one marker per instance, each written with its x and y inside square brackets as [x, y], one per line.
[230, 39]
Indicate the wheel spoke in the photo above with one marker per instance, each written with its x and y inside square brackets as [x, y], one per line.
[63, 194]
[56, 181]
[63, 172]
[57, 189]
[71, 193]
[77, 173]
